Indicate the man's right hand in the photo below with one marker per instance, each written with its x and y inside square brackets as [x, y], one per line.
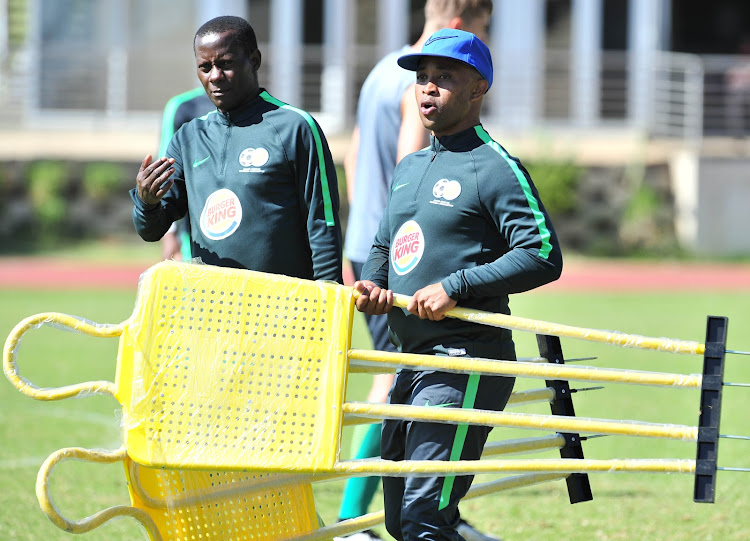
[372, 299]
[152, 182]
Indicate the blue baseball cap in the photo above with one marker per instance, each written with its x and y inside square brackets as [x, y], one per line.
[456, 44]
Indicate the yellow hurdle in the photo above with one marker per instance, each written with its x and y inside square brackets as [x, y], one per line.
[270, 353]
[232, 382]
[182, 505]
[237, 370]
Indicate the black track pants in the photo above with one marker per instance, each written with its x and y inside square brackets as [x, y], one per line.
[427, 507]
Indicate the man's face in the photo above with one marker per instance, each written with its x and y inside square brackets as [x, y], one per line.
[444, 94]
[227, 72]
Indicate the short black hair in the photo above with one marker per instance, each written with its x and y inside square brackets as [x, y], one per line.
[243, 33]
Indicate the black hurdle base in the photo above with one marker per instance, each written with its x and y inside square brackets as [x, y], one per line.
[579, 489]
[708, 424]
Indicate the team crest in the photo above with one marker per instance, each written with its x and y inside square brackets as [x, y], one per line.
[407, 248]
[253, 158]
[221, 214]
[445, 190]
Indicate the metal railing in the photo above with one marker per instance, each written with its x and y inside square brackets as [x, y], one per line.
[689, 96]
[726, 108]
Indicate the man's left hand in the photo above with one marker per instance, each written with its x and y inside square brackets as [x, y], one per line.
[431, 303]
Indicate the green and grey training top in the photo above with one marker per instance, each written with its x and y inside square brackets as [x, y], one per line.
[464, 213]
[260, 187]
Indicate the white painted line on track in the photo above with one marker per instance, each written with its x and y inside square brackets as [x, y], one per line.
[97, 419]
[12, 464]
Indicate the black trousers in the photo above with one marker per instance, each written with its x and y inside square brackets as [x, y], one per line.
[427, 507]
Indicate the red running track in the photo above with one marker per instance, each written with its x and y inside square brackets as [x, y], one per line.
[578, 275]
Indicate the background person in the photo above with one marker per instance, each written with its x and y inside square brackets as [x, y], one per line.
[388, 128]
[737, 80]
[255, 176]
[178, 110]
[463, 222]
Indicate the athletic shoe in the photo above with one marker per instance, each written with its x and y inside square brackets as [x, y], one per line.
[468, 532]
[367, 535]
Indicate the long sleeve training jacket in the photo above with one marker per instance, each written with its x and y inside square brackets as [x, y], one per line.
[260, 187]
[464, 213]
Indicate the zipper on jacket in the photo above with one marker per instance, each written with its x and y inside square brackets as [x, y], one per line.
[427, 170]
[226, 145]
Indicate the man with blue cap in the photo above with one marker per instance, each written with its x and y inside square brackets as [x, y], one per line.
[464, 224]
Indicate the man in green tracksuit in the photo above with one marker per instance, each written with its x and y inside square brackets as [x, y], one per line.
[255, 176]
[463, 224]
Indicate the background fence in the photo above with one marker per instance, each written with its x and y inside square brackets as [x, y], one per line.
[72, 82]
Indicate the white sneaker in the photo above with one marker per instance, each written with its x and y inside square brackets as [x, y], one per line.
[468, 532]
[367, 535]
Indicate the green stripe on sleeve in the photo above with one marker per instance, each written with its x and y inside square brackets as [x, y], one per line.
[541, 223]
[470, 396]
[327, 205]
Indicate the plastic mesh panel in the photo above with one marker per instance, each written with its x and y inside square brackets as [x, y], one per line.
[188, 505]
[234, 369]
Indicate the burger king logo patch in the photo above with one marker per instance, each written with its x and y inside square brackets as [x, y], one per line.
[407, 247]
[221, 214]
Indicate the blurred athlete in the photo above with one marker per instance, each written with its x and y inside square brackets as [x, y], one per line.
[178, 110]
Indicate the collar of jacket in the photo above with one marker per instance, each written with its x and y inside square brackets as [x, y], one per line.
[457, 142]
[237, 116]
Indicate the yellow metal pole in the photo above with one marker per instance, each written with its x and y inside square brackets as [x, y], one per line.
[388, 360]
[558, 423]
[523, 445]
[556, 329]
[515, 481]
[541, 465]
[346, 527]
[519, 398]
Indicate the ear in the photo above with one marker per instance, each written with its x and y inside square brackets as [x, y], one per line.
[456, 23]
[481, 86]
[255, 59]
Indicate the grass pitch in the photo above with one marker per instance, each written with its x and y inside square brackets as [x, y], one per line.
[625, 506]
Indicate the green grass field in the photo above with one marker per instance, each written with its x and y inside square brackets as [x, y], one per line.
[625, 506]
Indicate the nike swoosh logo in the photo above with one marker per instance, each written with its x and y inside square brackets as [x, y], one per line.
[431, 40]
[428, 405]
[399, 186]
[196, 163]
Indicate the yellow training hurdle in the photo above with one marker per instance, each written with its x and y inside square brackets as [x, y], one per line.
[244, 374]
[183, 505]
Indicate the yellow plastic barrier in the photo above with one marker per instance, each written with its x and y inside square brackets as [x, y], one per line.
[224, 371]
[179, 505]
[237, 370]
[270, 353]
[182, 505]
